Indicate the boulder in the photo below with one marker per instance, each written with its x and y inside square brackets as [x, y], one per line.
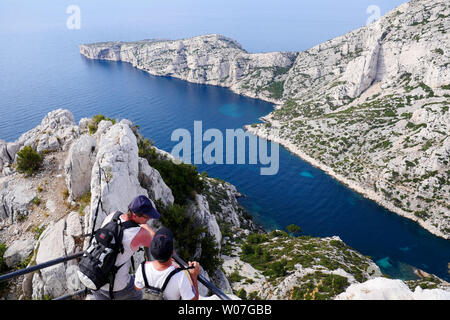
[56, 132]
[78, 165]
[151, 180]
[15, 198]
[220, 280]
[83, 124]
[57, 240]
[52, 280]
[18, 252]
[5, 157]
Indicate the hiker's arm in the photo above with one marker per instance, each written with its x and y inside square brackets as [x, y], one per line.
[148, 228]
[143, 238]
[194, 275]
[139, 283]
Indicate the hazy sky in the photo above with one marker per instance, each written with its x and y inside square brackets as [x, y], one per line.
[259, 25]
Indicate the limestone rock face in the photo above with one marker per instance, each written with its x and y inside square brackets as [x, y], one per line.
[390, 289]
[56, 132]
[78, 165]
[18, 252]
[227, 209]
[15, 199]
[57, 241]
[200, 209]
[5, 157]
[114, 179]
[210, 59]
[151, 180]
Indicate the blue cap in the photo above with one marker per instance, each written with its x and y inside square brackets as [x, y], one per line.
[143, 205]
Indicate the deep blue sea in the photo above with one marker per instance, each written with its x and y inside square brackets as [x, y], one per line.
[43, 70]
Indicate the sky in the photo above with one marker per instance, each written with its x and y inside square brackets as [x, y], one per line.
[259, 25]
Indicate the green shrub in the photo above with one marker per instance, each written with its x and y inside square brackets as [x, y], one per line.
[210, 257]
[276, 89]
[276, 269]
[389, 113]
[242, 294]
[256, 238]
[320, 286]
[36, 201]
[28, 161]
[3, 266]
[93, 123]
[183, 179]
[235, 276]
[293, 229]
[188, 234]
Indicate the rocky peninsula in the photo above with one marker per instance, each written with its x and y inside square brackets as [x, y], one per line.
[370, 107]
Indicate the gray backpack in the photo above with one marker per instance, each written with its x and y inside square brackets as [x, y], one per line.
[153, 293]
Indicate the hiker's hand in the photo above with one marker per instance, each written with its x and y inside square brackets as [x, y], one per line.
[196, 271]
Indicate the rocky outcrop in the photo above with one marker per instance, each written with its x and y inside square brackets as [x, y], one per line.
[56, 241]
[390, 289]
[15, 199]
[78, 165]
[277, 266]
[151, 180]
[115, 174]
[56, 132]
[18, 252]
[200, 209]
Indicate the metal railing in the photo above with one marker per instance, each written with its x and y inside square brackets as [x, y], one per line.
[40, 266]
[50, 263]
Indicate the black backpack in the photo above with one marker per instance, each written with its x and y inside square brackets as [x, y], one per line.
[97, 265]
[153, 293]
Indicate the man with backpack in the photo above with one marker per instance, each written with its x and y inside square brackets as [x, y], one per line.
[160, 278]
[104, 268]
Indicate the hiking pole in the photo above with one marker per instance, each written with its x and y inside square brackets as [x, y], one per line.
[41, 266]
[202, 279]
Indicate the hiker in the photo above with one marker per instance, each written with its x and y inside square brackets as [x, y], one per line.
[136, 233]
[164, 279]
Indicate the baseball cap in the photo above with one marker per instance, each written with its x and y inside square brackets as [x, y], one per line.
[143, 205]
[161, 247]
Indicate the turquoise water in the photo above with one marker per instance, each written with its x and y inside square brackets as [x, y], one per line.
[43, 71]
[306, 174]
